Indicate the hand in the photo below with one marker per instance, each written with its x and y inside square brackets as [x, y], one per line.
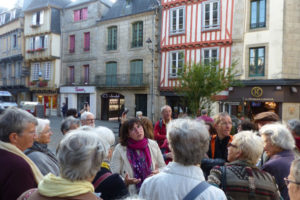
[129, 181]
[169, 155]
[155, 171]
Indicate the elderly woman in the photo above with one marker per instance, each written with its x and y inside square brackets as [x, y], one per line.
[189, 141]
[68, 124]
[136, 157]
[240, 178]
[80, 154]
[278, 145]
[293, 180]
[111, 186]
[39, 153]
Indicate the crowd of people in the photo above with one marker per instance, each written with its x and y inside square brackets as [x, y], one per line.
[170, 159]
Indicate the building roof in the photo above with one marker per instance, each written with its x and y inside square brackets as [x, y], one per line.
[8, 13]
[122, 8]
[38, 4]
[79, 2]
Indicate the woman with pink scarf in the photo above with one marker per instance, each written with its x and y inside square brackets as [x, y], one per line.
[136, 157]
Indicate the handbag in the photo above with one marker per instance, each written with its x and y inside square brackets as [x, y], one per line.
[196, 191]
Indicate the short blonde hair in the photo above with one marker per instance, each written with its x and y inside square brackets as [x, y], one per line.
[279, 135]
[220, 116]
[250, 144]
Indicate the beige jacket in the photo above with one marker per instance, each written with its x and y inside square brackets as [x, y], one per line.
[120, 164]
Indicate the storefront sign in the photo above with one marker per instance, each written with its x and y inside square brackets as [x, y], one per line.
[111, 96]
[259, 99]
[257, 92]
[78, 89]
[46, 91]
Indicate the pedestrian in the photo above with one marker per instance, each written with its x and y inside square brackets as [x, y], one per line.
[160, 126]
[294, 126]
[240, 178]
[64, 109]
[68, 124]
[39, 153]
[73, 112]
[80, 153]
[293, 180]
[139, 114]
[278, 145]
[136, 157]
[148, 126]
[18, 172]
[87, 119]
[204, 116]
[189, 141]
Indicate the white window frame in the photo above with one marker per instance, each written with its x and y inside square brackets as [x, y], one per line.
[2, 18]
[171, 75]
[47, 71]
[177, 31]
[36, 71]
[210, 53]
[12, 14]
[211, 26]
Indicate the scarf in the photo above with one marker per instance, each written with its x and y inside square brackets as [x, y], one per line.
[139, 157]
[15, 150]
[297, 141]
[44, 149]
[55, 186]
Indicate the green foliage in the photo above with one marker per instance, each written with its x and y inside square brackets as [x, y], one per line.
[199, 83]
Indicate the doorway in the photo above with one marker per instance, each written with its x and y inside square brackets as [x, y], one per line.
[112, 105]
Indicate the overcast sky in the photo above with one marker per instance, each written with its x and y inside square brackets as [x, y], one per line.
[11, 3]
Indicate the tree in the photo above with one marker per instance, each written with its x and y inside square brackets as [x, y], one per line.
[199, 83]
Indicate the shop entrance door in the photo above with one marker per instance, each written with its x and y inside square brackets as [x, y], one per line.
[141, 103]
[81, 99]
[112, 105]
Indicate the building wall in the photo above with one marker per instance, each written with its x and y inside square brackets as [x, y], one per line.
[43, 28]
[290, 111]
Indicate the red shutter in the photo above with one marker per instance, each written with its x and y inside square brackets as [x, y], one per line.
[72, 43]
[87, 41]
[76, 15]
[84, 13]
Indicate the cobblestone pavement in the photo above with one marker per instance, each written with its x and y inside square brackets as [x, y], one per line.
[57, 135]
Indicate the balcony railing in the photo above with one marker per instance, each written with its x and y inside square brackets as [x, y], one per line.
[136, 43]
[122, 80]
[111, 47]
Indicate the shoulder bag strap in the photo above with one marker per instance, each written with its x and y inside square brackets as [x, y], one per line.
[197, 190]
[223, 178]
[101, 179]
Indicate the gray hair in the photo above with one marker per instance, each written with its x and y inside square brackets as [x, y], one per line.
[68, 122]
[294, 125]
[279, 135]
[189, 140]
[85, 114]
[164, 107]
[203, 112]
[41, 124]
[139, 113]
[14, 120]
[250, 144]
[295, 169]
[80, 154]
[106, 134]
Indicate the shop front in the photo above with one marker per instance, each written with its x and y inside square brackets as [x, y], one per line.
[47, 97]
[112, 106]
[76, 96]
[252, 99]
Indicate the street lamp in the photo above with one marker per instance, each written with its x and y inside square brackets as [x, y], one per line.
[151, 49]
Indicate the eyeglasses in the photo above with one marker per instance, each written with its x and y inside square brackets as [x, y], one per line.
[231, 145]
[90, 120]
[288, 181]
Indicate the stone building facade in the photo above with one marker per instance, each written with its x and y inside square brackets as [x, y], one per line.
[266, 46]
[14, 73]
[128, 59]
[80, 52]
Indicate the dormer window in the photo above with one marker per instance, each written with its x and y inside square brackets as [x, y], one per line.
[38, 18]
[2, 19]
[12, 15]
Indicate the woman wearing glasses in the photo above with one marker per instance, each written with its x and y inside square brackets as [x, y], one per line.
[240, 178]
[293, 180]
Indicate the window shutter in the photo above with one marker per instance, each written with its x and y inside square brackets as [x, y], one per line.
[42, 17]
[46, 41]
[31, 43]
[84, 13]
[37, 42]
[72, 43]
[34, 19]
[76, 15]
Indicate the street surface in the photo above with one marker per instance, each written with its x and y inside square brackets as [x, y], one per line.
[57, 135]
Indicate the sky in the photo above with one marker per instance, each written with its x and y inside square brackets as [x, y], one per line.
[10, 3]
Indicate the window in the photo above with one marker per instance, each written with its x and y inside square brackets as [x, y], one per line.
[257, 61]
[12, 14]
[111, 73]
[112, 38]
[38, 18]
[211, 15]
[36, 71]
[14, 40]
[136, 72]
[137, 34]
[176, 63]
[2, 19]
[80, 14]
[18, 70]
[47, 71]
[72, 44]
[86, 74]
[43, 42]
[71, 74]
[210, 55]
[86, 41]
[177, 20]
[258, 14]
[32, 43]
[8, 70]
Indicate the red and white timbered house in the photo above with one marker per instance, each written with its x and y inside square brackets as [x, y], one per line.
[193, 31]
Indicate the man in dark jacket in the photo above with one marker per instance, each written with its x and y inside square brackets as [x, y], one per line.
[17, 132]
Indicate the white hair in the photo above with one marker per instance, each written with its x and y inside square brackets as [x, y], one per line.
[250, 144]
[80, 153]
[106, 134]
[41, 125]
[164, 107]
[85, 114]
[139, 113]
[279, 135]
[295, 170]
[188, 139]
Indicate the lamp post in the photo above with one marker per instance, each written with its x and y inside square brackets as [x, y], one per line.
[151, 49]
